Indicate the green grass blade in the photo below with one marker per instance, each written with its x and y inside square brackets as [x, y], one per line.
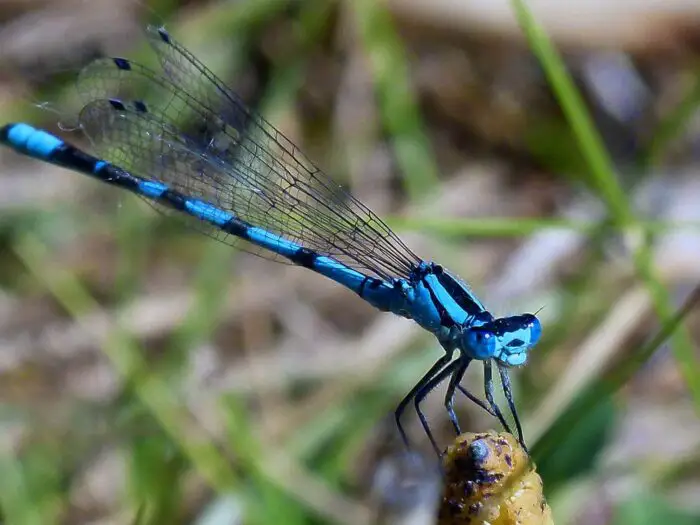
[607, 186]
[605, 388]
[672, 125]
[602, 170]
[126, 356]
[397, 100]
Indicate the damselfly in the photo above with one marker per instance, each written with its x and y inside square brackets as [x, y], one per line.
[185, 142]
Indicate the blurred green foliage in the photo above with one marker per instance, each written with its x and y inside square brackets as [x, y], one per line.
[165, 447]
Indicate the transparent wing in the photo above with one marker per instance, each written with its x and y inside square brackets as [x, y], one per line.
[181, 126]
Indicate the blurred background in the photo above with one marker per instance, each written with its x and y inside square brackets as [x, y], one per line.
[152, 375]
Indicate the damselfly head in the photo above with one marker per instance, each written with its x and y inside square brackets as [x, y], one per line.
[519, 333]
[507, 340]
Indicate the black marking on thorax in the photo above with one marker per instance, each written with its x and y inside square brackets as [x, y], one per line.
[368, 282]
[457, 292]
[304, 257]
[445, 318]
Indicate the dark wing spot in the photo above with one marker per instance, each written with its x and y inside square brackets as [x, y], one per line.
[122, 63]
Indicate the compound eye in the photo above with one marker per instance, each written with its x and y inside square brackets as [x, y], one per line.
[480, 343]
[535, 330]
[482, 337]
